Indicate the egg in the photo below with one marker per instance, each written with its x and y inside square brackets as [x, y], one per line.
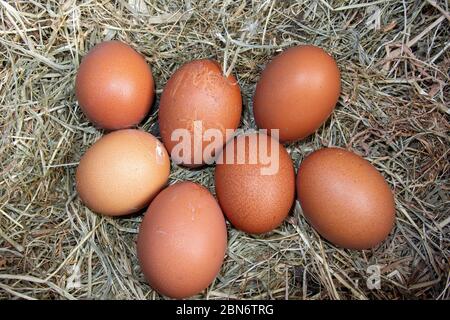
[122, 172]
[297, 91]
[256, 192]
[196, 98]
[345, 198]
[114, 86]
[182, 240]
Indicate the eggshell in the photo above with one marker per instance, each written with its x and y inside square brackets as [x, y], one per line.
[122, 172]
[345, 198]
[114, 86]
[255, 202]
[198, 91]
[182, 240]
[297, 92]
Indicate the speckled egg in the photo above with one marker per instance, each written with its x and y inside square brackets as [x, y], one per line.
[255, 188]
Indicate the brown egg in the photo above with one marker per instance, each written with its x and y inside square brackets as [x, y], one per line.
[198, 94]
[114, 86]
[182, 240]
[297, 92]
[255, 200]
[345, 198]
[122, 172]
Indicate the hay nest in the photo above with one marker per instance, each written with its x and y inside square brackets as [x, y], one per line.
[394, 111]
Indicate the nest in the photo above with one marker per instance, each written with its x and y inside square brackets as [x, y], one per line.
[393, 110]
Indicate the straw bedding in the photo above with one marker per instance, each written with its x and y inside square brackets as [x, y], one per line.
[393, 110]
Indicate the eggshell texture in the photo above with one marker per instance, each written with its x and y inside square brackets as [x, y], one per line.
[122, 172]
[182, 240]
[345, 198]
[198, 91]
[255, 202]
[114, 86]
[297, 92]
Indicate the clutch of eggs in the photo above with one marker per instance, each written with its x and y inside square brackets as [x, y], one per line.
[183, 237]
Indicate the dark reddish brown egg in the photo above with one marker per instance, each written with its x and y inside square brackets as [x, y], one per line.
[114, 86]
[182, 240]
[196, 98]
[297, 92]
[345, 198]
[255, 188]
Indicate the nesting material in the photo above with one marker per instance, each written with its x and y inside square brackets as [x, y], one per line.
[393, 110]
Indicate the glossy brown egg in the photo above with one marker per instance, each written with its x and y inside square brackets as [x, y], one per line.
[114, 86]
[255, 200]
[182, 240]
[297, 92]
[345, 198]
[122, 172]
[198, 95]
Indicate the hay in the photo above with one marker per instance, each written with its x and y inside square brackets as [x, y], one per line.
[394, 110]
